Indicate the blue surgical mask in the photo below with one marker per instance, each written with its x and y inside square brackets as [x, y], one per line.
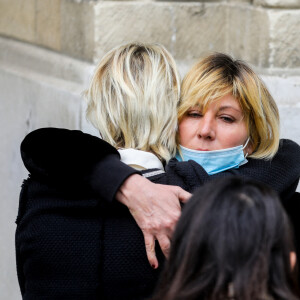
[216, 161]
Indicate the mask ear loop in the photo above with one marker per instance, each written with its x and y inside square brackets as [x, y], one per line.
[180, 152]
[248, 139]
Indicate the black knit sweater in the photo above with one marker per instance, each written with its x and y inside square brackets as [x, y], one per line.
[74, 242]
[72, 245]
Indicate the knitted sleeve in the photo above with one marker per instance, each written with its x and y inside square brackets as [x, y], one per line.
[71, 157]
[281, 172]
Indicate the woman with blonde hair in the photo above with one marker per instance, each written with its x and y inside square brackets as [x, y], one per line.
[226, 93]
[70, 244]
[222, 132]
[136, 84]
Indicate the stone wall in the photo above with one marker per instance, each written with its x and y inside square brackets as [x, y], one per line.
[48, 49]
[265, 32]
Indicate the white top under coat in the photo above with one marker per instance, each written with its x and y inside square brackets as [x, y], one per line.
[140, 160]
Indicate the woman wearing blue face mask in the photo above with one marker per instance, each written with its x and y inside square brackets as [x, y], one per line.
[228, 123]
[216, 137]
[226, 114]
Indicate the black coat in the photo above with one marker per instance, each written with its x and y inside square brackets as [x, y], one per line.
[72, 245]
[73, 241]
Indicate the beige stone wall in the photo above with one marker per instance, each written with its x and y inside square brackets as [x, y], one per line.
[263, 32]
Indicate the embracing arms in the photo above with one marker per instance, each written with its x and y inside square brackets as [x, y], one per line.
[69, 157]
[155, 208]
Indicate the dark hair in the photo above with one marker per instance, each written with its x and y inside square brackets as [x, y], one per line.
[233, 235]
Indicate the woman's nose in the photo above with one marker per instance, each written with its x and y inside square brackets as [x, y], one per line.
[206, 128]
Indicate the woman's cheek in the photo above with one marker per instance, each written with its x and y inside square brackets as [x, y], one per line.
[185, 132]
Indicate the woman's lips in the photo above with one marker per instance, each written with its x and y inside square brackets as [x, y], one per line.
[200, 149]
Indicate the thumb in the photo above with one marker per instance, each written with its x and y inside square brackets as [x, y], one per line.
[183, 195]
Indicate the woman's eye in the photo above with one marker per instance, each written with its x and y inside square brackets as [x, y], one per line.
[194, 114]
[227, 119]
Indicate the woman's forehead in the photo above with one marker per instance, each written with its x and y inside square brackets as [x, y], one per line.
[225, 102]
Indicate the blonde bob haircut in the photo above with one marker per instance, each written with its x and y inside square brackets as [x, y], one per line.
[218, 75]
[133, 98]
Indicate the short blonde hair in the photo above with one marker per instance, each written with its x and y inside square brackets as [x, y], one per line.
[133, 98]
[218, 75]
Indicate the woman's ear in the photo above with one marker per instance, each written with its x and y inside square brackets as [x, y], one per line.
[293, 259]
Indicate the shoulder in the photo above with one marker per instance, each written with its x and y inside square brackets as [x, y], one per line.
[288, 154]
[289, 145]
[62, 153]
[62, 139]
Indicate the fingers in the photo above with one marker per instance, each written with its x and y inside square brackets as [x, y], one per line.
[165, 244]
[156, 210]
[150, 250]
[182, 195]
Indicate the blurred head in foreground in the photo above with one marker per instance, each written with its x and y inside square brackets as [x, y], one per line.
[233, 241]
